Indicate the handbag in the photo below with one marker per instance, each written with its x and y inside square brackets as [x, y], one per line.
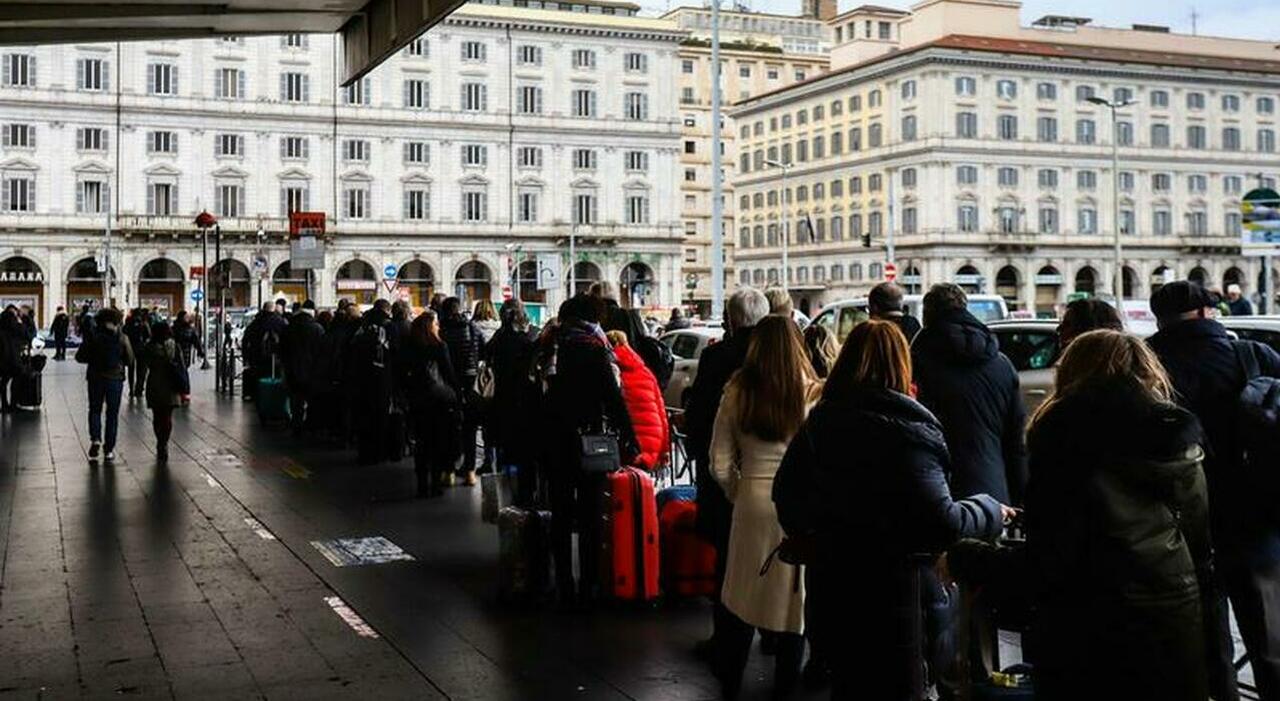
[598, 452]
[485, 383]
[179, 375]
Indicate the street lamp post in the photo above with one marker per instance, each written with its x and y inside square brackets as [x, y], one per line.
[786, 221]
[1117, 278]
[717, 176]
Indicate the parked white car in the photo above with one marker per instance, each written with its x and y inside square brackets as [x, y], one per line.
[842, 316]
[687, 346]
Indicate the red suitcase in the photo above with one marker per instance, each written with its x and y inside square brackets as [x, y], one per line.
[629, 536]
[688, 561]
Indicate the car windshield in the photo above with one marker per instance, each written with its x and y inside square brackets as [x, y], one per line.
[986, 310]
[1028, 350]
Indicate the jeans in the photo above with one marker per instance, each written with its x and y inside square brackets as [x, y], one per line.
[60, 348]
[104, 391]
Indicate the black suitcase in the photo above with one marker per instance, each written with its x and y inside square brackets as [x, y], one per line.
[524, 555]
[28, 390]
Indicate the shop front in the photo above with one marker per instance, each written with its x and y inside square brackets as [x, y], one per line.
[84, 285]
[289, 285]
[416, 283]
[357, 282]
[162, 287]
[22, 285]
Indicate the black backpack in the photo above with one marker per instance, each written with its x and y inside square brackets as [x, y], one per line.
[658, 358]
[108, 350]
[370, 345]
[1258, 425]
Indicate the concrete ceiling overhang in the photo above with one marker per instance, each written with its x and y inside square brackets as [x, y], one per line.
[371, 30]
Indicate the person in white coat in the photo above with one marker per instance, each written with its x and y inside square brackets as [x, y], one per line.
[763, 406]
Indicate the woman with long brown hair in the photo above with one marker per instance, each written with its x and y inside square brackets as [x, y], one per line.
[1117, 553]
[764, 404]
[864, 482]
[433, 394]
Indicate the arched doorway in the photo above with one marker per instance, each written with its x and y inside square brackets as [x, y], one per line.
[1159, 277]
[1048, 288]
[969, 279]
[1086, 281]
[637, 287]
[418, 281]
[585, 274]
[234, 276]
[527, 283]
[287, 284]
[473, 282]
[22, 285]
[1129, 282]
[1007, 286]
[356, 281]
[1198, 275]
[161, 286]
[84, 284]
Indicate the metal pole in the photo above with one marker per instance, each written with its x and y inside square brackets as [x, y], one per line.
[717, 178]
[888, 236]
[573, 279]
[217, 331]
[786, 230]
[1117, 279]
[202, 307]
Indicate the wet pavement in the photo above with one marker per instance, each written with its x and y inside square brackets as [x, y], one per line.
[209, 577]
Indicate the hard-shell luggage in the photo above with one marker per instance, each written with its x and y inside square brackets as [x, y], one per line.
[679, 492]
[272, 400]
[629, 536]
[28, 390]
[524, 554]
[688, 560]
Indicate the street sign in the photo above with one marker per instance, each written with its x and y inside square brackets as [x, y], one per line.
[306, 224]
[890, 272]
[197, 295]
[391, 284]
[389, 271]
[549, 277]
[197, 272]
[1260, 210]
[306, 240]
[260, 265]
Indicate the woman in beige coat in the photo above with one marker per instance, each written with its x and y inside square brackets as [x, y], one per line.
[763, 406]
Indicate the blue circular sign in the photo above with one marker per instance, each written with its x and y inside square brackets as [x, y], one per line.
[197, 295]
[389, 271]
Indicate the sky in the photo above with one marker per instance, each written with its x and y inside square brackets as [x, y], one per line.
[1255, 19]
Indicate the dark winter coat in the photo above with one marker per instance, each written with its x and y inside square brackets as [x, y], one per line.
[1240, 307]
[908, 325]
[61, 325]
[329, 368]
[516, 396]
[433, 396]
[465, 341]
[648, 412]
[716, 365]
[973, 390]
[1201, 360]
[300, 348]
[1117, 555]
[103, 363]
[138, 329]
[371, 365]
[257, 345]
[161, 390]
[866, 476]
[583, 393]
[11, 344]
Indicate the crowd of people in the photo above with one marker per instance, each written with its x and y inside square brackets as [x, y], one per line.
[857, 495]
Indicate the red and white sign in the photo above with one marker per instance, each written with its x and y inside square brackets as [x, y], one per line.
[197, 272]
[890, 272]
[390, 284]
[306, 224]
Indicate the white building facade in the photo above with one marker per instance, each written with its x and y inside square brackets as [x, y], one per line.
[488, 141]
[987, 164]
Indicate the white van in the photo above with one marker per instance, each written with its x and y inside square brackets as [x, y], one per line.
[842, 316]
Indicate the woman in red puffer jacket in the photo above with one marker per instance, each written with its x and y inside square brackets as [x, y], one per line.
[644, 404]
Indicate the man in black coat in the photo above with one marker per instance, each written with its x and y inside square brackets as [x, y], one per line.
[1208, 373]
[138, 328]
[371, 363]
[60, 327]
[465, 341]
[884, 302]
[299, 349]
[973, 390]
[260, 346]
[717, 364]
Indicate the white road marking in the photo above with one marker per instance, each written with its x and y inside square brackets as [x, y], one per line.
[353, 619]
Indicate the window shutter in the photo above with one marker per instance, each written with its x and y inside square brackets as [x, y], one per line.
[31, 194]
[80, 197]
[8, 69]
[5, 203]
[219, 86]
[104, 197]
[306, 88]
[284, 87]
[31, 72]
[306, 146]
[106, 76]
[240, 211]
[81, 83]
[217, 201]
[284, 201]
[31, 135]
[151, 198]
[152, 69]
[173, 80]
[239, 143]
[484, 98]
[240, 91]
[6, 135]
[106, 139]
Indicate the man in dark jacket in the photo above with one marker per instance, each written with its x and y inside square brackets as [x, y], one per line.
[138, 328]
[1208, 373]
[465, 341]
[106, 354]
[299, 349]
[60, 327]
[717, 364]
[678, 320]
[11, 344]
[372, 362]
[884, 302]
[260, 346]
[973, 390]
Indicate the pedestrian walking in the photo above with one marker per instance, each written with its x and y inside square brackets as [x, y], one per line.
[885, 302]
[582, 397]
[822, 347]
[973, 390]
[84, 323]
[678, 320]
[763, 406]
[645, 405]
[187, 337]
[299, 349]
[718, 363]
[510, 428]
[1237, 303]
[432, 390]
[166, 382]
[1117, 556]
[12, 341]
[107, 353]
[485, 315]
[60, 327]
[863, 499]
[465, 340]
[1209, 370]
[138, 328]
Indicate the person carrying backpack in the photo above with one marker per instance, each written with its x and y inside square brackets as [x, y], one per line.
[167, 382]
[432, 390]
[465, 341]
[138, 328]
[1210, 370]
[372, 365]
[107, 353]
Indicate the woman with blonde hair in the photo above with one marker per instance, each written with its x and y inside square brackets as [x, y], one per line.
[1117, 552]
[820, 341]
[864, 484]
[764, 404]
[486, 317]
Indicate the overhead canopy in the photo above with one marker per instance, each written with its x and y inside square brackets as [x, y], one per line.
[371, 30]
